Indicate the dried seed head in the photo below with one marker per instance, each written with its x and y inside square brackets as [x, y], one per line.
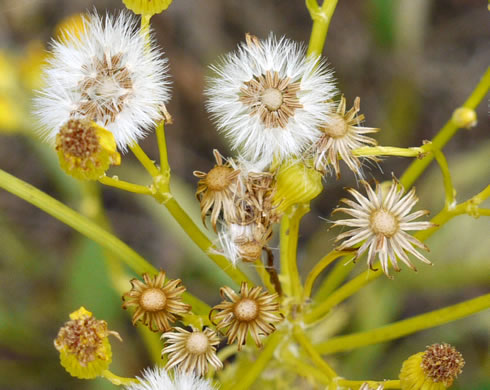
[251, 310]
[157, 303]
[84, 349]
[86, 150]
[436, 368]
[191, 351]
[337, 127]
[442, 363]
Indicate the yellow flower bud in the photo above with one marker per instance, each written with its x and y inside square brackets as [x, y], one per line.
[147, 7]
[464, 117]
[85, 149]
[434, 369]
[83, 344]
[296, 184]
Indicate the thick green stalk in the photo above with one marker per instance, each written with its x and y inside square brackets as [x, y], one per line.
[321, 17]
[405, 327]
[417, 167]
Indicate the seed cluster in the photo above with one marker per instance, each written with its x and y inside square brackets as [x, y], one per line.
[78, 138]
[442, 363]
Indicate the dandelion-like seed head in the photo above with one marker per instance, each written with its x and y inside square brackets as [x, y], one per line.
[157, 303]
[380, 222]
[106, 71]
[158, 378]
[83, 344]
[341, 134]
[192, 351]
[270, 99]
[251, 310]
[436, 368]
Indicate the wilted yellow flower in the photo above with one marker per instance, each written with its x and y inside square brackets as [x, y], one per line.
[434, 369]
[83, 344]
[147, 7]
[85, 149]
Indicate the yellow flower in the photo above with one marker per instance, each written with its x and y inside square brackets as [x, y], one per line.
[31, 63]
[10, 116]
[296, 184]
[434, 369]
[147, 7]
[83, 344]
[85, 149]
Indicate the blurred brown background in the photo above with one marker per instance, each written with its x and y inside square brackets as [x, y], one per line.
[412, 62]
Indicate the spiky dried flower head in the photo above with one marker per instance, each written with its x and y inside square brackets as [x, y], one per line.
[158, 303]
[269, 98]
[109, 73]
[192, 351]
[434, 369]
[380, 221]
[86, 150]
[83, 344]
[216, 190]
[147, 7]
[342, 134]
[251, 310]
[158, 378]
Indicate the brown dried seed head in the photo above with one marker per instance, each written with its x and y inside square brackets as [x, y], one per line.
[246, 310]
[442, 363]
[78, 138]
[337, 127]
[218, 178]
[197, 343]
[153, 299]
[384, 222]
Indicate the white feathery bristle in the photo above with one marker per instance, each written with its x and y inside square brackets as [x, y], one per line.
[134, 103]
[157, 378]
[249, 133]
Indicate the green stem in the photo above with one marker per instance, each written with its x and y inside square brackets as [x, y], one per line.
[318, 268]
[304, 369]
[144, 160]
[162, 147]
[203, 242]
[405, 327]
[252, 372]
[392, 384]
[303, 340]
[446, 177]
[124, 185]
[288, 247]
[417, 167]
[389, 151]
[335, 278]
[118, 380]
[88, 228]
[321, 17]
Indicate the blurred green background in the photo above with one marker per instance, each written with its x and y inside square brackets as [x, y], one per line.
[412, 62]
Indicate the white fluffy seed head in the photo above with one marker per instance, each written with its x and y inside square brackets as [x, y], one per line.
[157, 378]
[239, 119]
[111, 74]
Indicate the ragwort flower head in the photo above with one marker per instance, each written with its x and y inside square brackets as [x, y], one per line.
[381, 222]
[158, 378]
[269, 99]
[110, 73]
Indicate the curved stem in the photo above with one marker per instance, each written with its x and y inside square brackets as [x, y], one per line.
[321, 17]
[302, 339]
[304, 369]
[124, 185]
[417, 167]
[144, 160]
[118, 380]
[162, 147]
[446, 177]
[402, 328]
[335, 278]
[318, 268]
